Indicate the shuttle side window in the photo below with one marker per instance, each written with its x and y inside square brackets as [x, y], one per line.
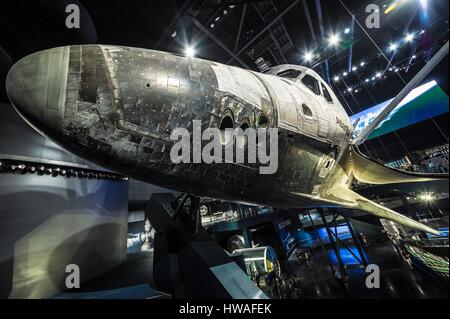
[311, 83]
[290, 74]
[326, 94]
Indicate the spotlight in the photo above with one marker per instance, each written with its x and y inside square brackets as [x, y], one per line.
[354, 68]
[409, 37]
[336, 78]
[334, 39]
[350, 89]
[308, 56]
[189, 52]
[427, 197]
[345, 74]
[393, 47]
[378, 75]
[367, 80]
[362, 63]
[347, 31]
[414, 57]
[424, 4]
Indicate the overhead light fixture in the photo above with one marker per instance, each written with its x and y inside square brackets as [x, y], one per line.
[427, 197]
[347, 31]
[409, 37]
[354, 68]
[378, 75]
[362, 63]
[424, 4]
[189, 52]
[367, 80]
[334, 39]
[414, 57]
[350, 89]
[393, 47]
[308, 56]
[336, 78]
[345, 73]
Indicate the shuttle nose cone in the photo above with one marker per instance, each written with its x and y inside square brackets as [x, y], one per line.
[36, 86]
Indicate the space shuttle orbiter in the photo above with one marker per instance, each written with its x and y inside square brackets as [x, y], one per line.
[117, 106]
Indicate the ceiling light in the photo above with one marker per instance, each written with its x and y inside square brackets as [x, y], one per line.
[354, 68]
[424, 4]
[362, 63]
[336, 79]
[393, 47]
[189, 52]
[334, 39]
[345, 74]
[347, 31]
[409, 37]
[308, 56]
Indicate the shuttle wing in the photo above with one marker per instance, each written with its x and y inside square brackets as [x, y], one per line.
[343, 196]
[367, 170]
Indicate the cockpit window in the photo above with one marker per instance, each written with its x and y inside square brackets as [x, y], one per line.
[311, 83]
[326, 94]
[290, 74]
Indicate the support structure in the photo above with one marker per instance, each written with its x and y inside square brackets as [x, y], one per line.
[331, 236]
[188, 263]
[322, 245]
[265, 29]
[357, 242]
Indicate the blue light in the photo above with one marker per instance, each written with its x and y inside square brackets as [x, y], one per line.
[346, 256]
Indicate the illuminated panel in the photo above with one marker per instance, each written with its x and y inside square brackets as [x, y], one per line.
[423, 103]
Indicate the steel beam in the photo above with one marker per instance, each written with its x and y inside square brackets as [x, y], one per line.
[241, 24]
[332, 242]
[350, 55]
[224, 3]
[267, 27]
[322, 34]
[322, 245]
[218, 42]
